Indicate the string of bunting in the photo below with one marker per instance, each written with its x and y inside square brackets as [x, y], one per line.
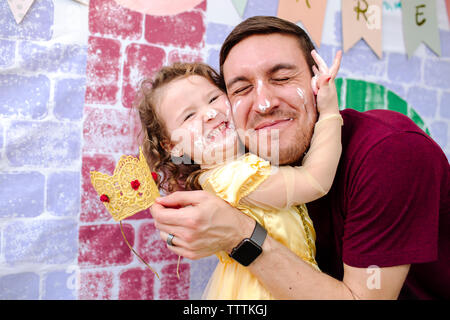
[362, 19]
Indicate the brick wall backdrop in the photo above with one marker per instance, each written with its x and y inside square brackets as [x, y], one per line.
[68, 75]
[124, 47]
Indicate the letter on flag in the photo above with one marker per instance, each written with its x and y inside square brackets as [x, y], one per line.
[362, 19]
[419, 19]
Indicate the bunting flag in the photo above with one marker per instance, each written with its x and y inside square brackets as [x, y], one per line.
[419, 18]
[19, 8]
[311, 13]
[362, 19]
[447, 3]
[159, 7]
[240, 6]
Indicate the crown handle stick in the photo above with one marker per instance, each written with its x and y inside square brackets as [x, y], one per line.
[134, 251]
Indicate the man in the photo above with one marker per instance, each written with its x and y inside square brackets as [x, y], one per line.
[383, 230]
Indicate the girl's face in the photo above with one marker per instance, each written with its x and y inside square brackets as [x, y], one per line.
[197, 116]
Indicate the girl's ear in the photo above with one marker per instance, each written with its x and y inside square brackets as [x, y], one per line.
[174, 150]
[177, 151]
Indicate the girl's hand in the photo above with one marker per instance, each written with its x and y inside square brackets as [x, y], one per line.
[323, 83]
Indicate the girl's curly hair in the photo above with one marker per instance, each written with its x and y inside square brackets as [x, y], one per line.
[154, 135]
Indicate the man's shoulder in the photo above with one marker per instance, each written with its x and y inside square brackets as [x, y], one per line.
[386, 121]
[369, 128]
[386, 132]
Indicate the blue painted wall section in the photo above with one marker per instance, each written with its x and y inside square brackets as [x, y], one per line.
[42, 87]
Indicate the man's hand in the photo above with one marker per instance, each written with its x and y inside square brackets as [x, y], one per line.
[202, 223]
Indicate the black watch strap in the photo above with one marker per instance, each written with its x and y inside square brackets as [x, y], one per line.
[259, 234]
[250, 248]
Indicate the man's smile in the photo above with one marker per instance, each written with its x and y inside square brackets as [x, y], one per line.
[273, 124]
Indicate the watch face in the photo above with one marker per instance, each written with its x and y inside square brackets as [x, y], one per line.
[246, 252]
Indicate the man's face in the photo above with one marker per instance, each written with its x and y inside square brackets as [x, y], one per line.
[269, 86]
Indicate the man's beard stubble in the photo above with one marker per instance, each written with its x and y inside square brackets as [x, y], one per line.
[294, 150]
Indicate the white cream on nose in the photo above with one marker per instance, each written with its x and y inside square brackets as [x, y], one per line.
[211, 114]
[264, 107]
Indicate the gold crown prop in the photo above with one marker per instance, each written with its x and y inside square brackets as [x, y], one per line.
[129, 190]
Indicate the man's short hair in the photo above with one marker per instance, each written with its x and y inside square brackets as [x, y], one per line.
[260, 25]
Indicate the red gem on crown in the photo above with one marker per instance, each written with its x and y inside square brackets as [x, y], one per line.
[135, 184]
[154, 175]
[104, 198]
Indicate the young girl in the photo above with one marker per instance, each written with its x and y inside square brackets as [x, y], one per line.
[186, 116]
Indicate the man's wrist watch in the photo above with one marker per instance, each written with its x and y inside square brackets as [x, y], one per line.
[250, 248]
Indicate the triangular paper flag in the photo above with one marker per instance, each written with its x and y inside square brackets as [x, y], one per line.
[362, 19]
[19, 8]
[419, 19]
[447, 3]
[159, 7]
[240, 6]
[311, 13]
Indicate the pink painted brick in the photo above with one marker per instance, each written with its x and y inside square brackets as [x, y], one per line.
[184, 29]
[102, 70]
[106, 17]
[142, 61]
[103, 245]
[173, 288]
[95, 285]
[136, 284]
[145, 214]
[151, 247]
[201, 6]
[110, 131]
[179, 56]
[92, 209]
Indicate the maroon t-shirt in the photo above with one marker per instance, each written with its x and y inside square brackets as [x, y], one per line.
[389, 204]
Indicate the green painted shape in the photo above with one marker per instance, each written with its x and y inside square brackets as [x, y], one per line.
[355, 97]
[339, 87]
[375, 97]
[362, 95]
[418, 120]
[395, 103]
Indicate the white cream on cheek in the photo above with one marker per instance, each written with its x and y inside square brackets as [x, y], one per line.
[195, 133]
[203, 146]
[314, 84]
[236, 106]
[302, 95]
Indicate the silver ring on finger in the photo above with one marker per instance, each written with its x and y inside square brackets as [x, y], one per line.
[170, 239]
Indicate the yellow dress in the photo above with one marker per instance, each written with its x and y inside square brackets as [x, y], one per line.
[291, 226]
